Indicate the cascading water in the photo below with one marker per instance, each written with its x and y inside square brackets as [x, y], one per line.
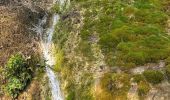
[46, 42]
[50, 61]
[47, 47]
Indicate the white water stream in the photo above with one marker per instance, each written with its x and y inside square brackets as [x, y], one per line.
[50, 60]
[47, 46]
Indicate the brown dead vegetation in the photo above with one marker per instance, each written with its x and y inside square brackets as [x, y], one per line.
[14, 33]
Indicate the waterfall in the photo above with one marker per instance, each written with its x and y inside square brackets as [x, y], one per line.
[50, 60]
[46, 43]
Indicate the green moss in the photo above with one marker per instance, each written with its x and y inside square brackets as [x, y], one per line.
[143, 51]
[153, 76]
[145, 29]
[130, 34]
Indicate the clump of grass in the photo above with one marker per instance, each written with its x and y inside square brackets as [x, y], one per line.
[153, 76]
[143, 88]
[59, 56]
[138, 78]
[167, 71]
[115, 85]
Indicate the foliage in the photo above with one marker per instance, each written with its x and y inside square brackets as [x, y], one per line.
[138, 78]
[59, 56]
[83, 90]
[167, 71]
[71, 96]
[18, 74]
[85, 49]
[56, 8]
[135, 25]
[153, 76]
[115, 85]
[143, 88]
[129, 33]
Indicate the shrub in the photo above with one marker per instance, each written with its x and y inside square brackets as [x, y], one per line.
[59, 56]
[153, 76]
[18, 74]
[143, 88]
[115, 85]
[167, 61]
[167, 70]
[71, 96]
[56, 8]
[138, 78]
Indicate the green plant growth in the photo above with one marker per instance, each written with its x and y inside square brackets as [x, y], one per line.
[115, 85]
[59, 56]
[138, 78]
[143, 88]
[18, 75]
[56, 8]
[153, 76]
[167, 71]
[133, 32]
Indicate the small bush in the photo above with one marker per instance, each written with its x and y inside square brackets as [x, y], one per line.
[143, 88]
[115, 85]
[153, 76]
[167, 70]
[18, 74]
[138, 78]
[71, 96]
[56, 8]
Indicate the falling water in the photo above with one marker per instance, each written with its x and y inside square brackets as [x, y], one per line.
[50, 61]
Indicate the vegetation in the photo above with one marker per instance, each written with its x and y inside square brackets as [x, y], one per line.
[59, 59]
[138, 78]
[115, 85]
[18, 74]
[131, 33]
[56, 8]
[153, 76]
[167, 70]
[143, 88]
[128, 32]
